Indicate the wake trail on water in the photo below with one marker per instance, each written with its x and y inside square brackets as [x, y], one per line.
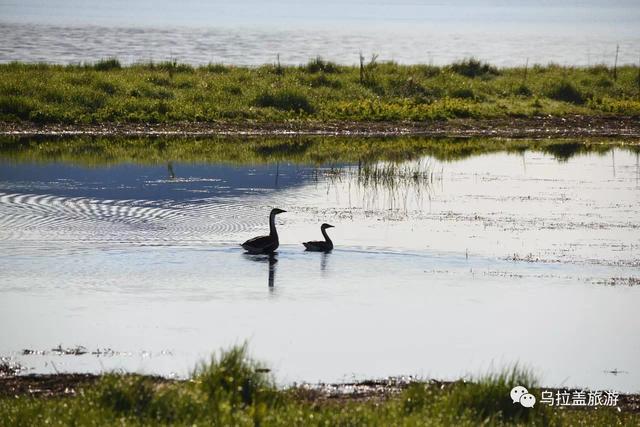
[77, 219]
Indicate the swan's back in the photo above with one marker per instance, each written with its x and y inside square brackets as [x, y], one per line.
[261, 244]
[318, 246]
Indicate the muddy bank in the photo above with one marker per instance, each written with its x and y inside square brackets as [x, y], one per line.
[533, 127]
[68, 385]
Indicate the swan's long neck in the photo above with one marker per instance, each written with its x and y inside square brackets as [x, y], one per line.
[272, 226]
[326, 236]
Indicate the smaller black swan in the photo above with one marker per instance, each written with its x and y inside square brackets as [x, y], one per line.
[265, 244]
[321, 246]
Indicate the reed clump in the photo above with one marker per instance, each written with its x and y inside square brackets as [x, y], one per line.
[105, 65]
[474, 68]
[318, 65]
[567, 92]
[286, 100]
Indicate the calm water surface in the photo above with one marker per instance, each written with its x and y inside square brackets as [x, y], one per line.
[471, 266]
[250, 32]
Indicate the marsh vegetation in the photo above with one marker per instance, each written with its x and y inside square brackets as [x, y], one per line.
[234, 389]
[169, 92]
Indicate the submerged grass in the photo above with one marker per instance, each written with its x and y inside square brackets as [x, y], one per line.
[321, 90]
[235, 390]
[392, 175]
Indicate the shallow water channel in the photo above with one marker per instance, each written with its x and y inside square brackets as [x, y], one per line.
[444, 266]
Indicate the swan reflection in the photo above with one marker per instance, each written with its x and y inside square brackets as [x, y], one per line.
[270, 259]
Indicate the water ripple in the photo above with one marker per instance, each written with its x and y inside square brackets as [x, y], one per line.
[254, 46]
[31, 217]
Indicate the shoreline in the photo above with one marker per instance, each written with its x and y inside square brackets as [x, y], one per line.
[69, 385]
[574, 126]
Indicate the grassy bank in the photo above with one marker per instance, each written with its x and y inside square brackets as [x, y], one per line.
[235, 390]
[100, 151]
[319, 91]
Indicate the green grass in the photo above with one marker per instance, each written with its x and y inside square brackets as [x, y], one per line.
[318, 91]
[258, 150]
[233, 389]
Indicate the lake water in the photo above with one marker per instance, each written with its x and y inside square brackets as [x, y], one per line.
[250, 32]
[442, 268]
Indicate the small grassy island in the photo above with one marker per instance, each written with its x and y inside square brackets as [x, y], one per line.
[320, 91]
